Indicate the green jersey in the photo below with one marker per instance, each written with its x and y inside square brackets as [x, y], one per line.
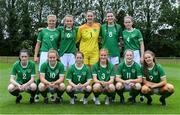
[110, 38]
[132, 39]
[103, 73]
[49, 39]
[67, 40]
[52, 73]
[155, 74]
[79, 75]
[126, 72]
[24, 74]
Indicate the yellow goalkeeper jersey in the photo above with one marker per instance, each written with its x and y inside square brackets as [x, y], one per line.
[88, 37]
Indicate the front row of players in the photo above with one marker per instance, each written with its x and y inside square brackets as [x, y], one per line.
[128, 78]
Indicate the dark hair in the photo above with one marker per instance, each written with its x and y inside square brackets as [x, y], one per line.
[145, 66]
[23, 51]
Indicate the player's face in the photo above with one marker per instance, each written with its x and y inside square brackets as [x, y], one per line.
[79, 58]
[51, 22]
[68, 21]
[148, 58]
[128, 23]
[129, 56]
[110, 17]
[52, 58]
[90, 17]
[23, 57]
[103, 56]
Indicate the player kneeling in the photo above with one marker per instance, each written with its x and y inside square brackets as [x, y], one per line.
[52, 77]
[154, 80]
[103, 75]
[79, 77]
[128, 77]
[24, 69]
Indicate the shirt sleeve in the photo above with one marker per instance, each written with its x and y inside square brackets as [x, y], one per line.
[39, 39]
[94, 70]
[112, 71]
[89, 75]
[69, 74]
[78, 37]
[139, 72]
[13, 71]
[61, 69]
[119, 70]
[140, 37]
[33, 70]
[43, 68]
[161, 71]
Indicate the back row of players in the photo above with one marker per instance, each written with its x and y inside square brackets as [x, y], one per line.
[103, 65]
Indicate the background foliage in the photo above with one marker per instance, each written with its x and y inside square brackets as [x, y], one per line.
[159, 21]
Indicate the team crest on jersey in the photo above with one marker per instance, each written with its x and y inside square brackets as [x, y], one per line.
[155, 72]
[94, 30]
[29, 70]
[57, 71]
[83, 73]
[124, 70]
[108, 71]
[133, 70]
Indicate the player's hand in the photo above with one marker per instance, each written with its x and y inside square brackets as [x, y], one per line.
[36, 59]
[142, 60]
[21, 87]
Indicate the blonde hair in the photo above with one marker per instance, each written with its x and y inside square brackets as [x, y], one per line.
[103, 49]
[128, 17]
[52, 15]
[68, 15]
[53, 51]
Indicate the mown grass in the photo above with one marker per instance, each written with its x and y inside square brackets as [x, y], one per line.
[8, 106]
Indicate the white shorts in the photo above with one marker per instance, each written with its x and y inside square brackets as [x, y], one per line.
[43, 58]
[67, 60]
[137, 57]
[137, 86]
[114, 60]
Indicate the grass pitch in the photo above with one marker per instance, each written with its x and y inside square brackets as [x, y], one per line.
[8, 106]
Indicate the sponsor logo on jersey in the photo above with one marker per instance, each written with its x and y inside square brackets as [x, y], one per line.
[133, 70]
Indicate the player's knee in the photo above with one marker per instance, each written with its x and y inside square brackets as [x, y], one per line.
[96, 87]
[11, 88]
[42, 87]
[170, 88]
[62, 87]
[145, 89]
[138, 86]
[111, 88]
[119, 86]
[88, 88]
[69, 88]
[33, 86]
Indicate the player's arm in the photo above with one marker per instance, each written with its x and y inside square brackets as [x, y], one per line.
[60, 80]
[71, 83]
[160, 84]
[43, 80]
[13, 81]
[110, 81]
[95, 78]
[29, 82]
[138, 80]
[142, 50]
[87, 83]
[118, 79]
[36, 51]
